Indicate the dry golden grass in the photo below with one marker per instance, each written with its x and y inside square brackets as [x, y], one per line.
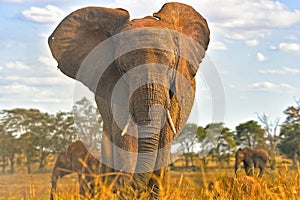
[279, 184]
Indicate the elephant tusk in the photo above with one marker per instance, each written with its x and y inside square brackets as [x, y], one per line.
[125, 128]
[171, 121]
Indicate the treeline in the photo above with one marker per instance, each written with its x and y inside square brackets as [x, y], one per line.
[218, 143]
[29, 136]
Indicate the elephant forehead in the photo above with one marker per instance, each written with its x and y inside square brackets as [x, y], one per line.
[138, 35]
[147, 56]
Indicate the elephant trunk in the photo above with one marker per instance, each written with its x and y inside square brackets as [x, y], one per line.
[149, 112]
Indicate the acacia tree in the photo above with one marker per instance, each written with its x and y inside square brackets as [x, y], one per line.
[11, 128]
[49, 133]
[64, 132]
[250, 134]
[3, 146]
[187, 139]
[27, 144]
[88, 123]
[219, 141]
[34, 134]
[290, 133]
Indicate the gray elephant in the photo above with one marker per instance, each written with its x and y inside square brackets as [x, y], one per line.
[252, 158]
[76, 159]
[142, 72]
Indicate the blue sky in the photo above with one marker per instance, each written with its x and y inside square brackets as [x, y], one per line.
[255, 48]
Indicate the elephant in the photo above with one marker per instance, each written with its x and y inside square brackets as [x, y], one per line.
[76, 159]
[142, 72]
[252, 158]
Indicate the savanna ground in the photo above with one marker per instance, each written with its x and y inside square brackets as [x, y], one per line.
[282, 183]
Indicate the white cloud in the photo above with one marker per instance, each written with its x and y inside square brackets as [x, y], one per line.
[292, 37]
[243, 20]
[273, 47]
[17, 88]
[217, 45]
[248, 18]
[252, 42]
[39, 81]
[290, 47]
[283, 71]
[17, 94]
[17, 65]
[272, 87]
[12, 43]
[49, 14]
[47, 61]
[44, 35]
[260, 57]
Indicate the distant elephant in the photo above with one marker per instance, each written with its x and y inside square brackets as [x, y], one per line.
[252, 158]
[76, 159]
[143, 75]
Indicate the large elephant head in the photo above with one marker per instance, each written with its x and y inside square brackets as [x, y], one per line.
[146, 65]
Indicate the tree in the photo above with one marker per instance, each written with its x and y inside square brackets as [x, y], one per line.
[290, 133]
[28, 149]
[49, 133]
[226, 145]
[187, 139]
[250, 134]
[272, 136]
[290, 142]
[64, 131]
[222, 141]
[88, 123]
[34, 134]
[11, 127]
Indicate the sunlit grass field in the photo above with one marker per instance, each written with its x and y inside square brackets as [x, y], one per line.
[282, 183]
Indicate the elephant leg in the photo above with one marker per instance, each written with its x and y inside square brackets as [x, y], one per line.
[90, 182]
[53, 187]
[82, 185]
[61, 168]
[86, 185]
[249, 168]
[261, 169]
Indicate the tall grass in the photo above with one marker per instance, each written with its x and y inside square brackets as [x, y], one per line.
[207, 184]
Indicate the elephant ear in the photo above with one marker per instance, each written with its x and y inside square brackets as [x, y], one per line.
[73, 45]
[192, 35]
[192, 32]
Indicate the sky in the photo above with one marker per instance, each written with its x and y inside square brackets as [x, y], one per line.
[253, 57]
